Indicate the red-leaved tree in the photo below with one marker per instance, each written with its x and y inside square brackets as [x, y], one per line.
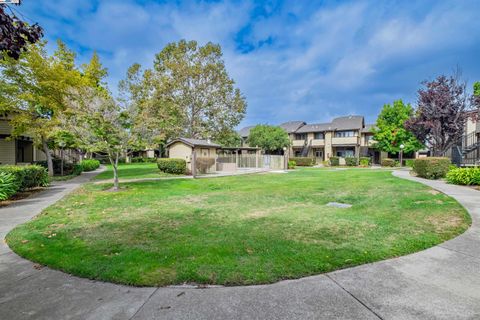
[441, 113]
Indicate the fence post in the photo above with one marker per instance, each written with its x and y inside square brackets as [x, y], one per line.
[194, 165]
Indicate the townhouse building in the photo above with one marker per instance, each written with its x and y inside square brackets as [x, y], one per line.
[343, 137]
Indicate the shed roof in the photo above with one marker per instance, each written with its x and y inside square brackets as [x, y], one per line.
[195, 142]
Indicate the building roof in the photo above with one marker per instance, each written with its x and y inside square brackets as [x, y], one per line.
[315, 127]
[348, 123]
[244, 132]
[368, 128]
[195, 142]
[292, 126]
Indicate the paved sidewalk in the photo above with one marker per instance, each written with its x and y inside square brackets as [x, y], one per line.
[439, 283]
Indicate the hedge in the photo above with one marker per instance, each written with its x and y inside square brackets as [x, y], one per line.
[27, 177]
[431, 167]
[292, 164]
[68, 167]
[464, 176]
[303, 161]
[365, 161]
[8, 186]
[171, 165]
[351, 161]
[387, 162]
[90, 164]
[334, 161]
[143, 160]
[409, 162]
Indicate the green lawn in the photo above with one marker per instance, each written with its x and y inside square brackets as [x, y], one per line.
[133, 171]
[237, 230]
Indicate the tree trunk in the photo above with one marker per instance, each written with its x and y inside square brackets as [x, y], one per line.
[46, 150]
[114, 163]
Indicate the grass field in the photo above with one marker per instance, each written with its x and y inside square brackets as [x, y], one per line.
[133, 171]
[237, 230]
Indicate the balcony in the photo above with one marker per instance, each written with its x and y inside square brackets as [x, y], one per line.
[343, 141]
[318, 142]
[298, 143]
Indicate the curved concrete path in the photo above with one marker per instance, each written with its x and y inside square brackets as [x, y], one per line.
[439, 283]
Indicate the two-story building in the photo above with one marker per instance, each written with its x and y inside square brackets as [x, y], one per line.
[19, 150]
[346, 136]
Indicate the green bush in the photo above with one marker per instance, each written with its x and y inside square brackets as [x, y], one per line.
[292, 164]
[170, 165]
[27, 177]
[90, 164]
[143, 160]
[77, 169]
[387, 162]
[303, 161]
[464, 176]
[334, 161]
[351, 161]
[365, 161]
[8, 185]
[409, 162]
[431, 167]
[68, 167]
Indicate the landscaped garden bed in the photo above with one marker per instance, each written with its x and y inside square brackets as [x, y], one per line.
[238, 230]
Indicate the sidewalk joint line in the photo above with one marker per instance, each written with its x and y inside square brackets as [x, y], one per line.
[354, 297]
[143, 304]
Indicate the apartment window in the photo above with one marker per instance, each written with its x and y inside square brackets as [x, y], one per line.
[368, 138]
[300, 136]
[319, 154]
[345, 152]
[319, 135]
[344, 134]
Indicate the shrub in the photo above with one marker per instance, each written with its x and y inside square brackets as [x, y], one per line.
[170, 165]
[303, 161]
[431, 167]
[8, 185]
[68, 167]
[409, 162]
[464, 176]
[291, 164]
[204, 164]
[351, 161]
[27, 177]
[143, 160]
[90, 164]
[77, 169]
[365, 161]
[387, 162]
[334, 161]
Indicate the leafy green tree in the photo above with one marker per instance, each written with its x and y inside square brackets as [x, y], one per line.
[34, 92]
[269, 138]
[229, 139]
[189, 90]
[390, 130]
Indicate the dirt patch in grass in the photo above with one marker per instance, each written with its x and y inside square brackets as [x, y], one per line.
[442, 223]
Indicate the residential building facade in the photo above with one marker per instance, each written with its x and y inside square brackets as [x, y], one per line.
[343, 137]
[19, 150]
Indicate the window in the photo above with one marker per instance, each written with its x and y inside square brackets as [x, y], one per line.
[300, 136]
[368, 138]
[319, 154]
[345, 152]
[344, 134]
[319, 135]
[298, 153]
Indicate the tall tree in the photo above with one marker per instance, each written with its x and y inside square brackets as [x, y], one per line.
[15, 34]
[190, 83]
[34, 92]
[441, 113]
[390, 131]
[269, 138]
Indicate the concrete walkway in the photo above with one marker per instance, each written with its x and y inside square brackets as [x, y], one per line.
[439, 283]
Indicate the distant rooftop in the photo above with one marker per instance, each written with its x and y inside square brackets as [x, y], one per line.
[292, 126]
[195, 142]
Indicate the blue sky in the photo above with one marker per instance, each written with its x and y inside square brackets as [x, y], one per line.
[293, 60]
